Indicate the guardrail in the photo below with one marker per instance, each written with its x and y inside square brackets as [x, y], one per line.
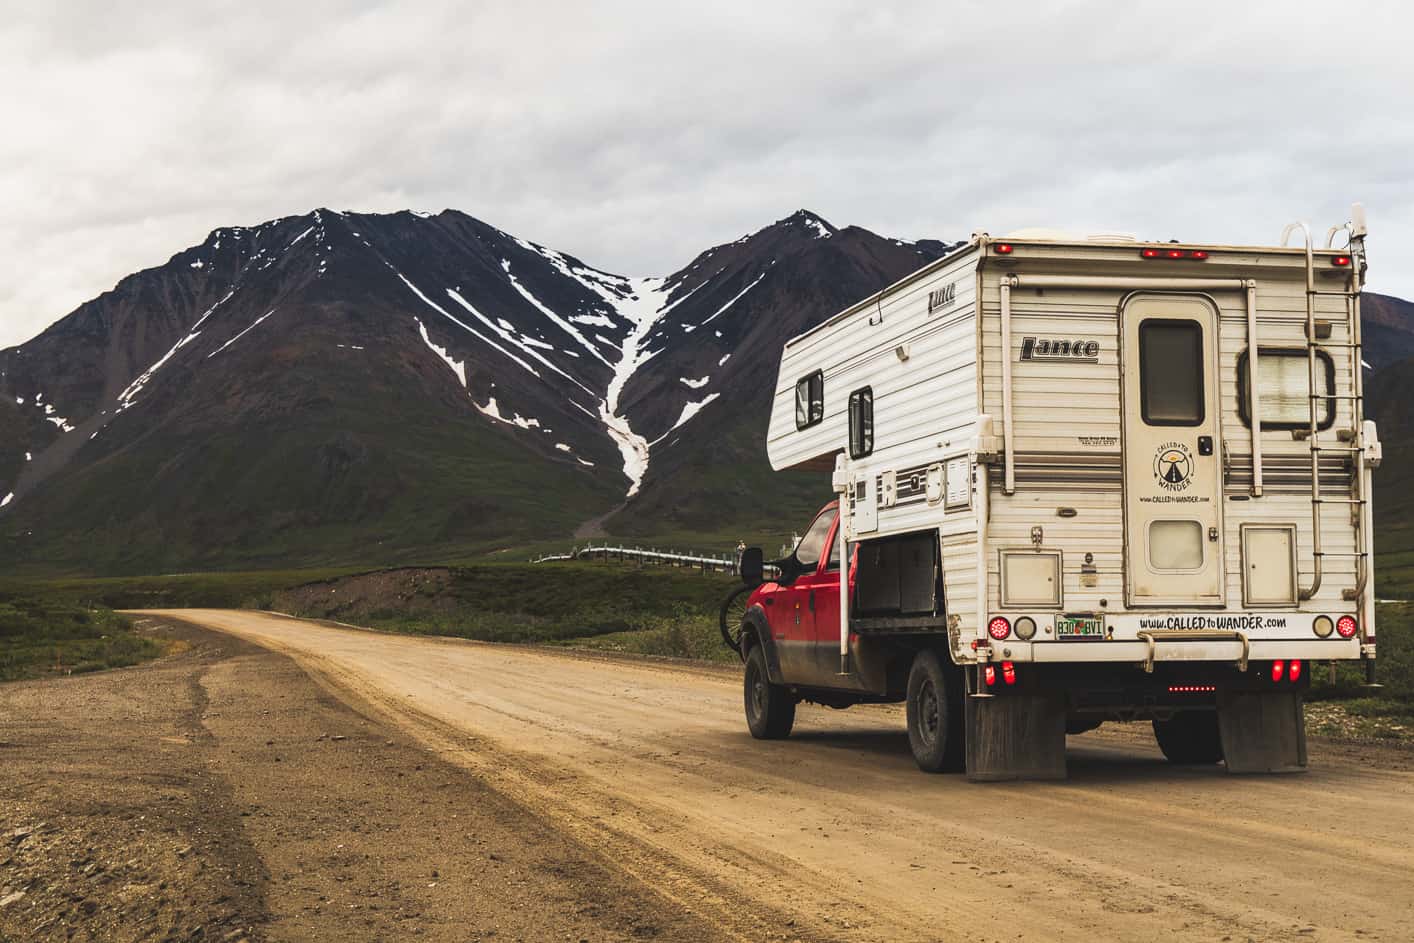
[723, 563]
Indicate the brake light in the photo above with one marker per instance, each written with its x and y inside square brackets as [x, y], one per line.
[1346, 627]
[1293, 671]
[1155, 253]
[1004, 248]
[989, 674]
[1341, 261]
[1009, 672]
[1278, 669]
[1192, 688]
[999, 628]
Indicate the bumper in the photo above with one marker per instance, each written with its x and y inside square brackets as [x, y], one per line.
[1138, 651]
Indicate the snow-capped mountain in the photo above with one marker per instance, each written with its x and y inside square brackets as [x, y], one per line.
[342, 385]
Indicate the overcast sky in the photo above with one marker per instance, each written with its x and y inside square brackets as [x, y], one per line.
[635, 134]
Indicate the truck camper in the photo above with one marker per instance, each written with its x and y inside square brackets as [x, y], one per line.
[1077, 479]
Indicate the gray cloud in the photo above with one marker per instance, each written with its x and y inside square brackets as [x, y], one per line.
[634, 134]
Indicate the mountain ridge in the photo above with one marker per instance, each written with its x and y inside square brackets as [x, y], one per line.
[306, 349]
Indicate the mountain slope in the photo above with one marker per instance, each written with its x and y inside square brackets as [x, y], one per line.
[342, 387]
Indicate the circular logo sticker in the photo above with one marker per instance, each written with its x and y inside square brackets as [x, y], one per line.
[1173, 466]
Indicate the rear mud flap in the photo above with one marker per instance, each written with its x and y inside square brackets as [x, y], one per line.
[1020, 737]
[1262, 733]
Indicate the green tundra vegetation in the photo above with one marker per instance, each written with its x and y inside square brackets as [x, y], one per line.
[46, 638]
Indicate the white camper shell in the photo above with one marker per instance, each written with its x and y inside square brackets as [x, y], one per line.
[1082, 428]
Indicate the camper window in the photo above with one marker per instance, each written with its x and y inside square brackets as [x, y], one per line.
[1171, 372]
[807, 552]
[810, 400]
[861, 422]
[1284, 387]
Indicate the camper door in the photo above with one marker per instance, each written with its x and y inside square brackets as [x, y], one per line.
[1172, 445]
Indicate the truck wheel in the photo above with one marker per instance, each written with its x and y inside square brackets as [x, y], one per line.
[770, 709]
[934, 716]
[1190, 737]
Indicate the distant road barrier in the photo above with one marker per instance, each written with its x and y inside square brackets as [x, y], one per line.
[723, 563]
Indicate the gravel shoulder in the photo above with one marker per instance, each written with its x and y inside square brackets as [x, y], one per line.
[221, 793]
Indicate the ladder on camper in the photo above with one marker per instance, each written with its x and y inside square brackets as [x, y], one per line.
[1352, 441]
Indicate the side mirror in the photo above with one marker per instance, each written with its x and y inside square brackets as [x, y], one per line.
[753, 566]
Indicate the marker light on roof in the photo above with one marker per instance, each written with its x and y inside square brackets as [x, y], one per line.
[1171, 254]
[1004, 248]
[1341, 261]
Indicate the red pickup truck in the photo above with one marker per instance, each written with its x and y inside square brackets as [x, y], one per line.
[788, 638]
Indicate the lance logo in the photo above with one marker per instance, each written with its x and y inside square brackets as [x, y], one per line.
[1173, 466]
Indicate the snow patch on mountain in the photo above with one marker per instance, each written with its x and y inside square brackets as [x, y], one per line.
[512, 337]
[642, 310]
[514, 419]
[128, 396]
[252, 327]
[563, 324]
[458, 366]
[737, 297]
[695, 384]
[688, 411]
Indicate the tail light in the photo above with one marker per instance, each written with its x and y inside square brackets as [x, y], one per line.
[1009, 672]
[1293, 671]
[989, 674]
[999, 628]
[1278, 669]
[1346, 626]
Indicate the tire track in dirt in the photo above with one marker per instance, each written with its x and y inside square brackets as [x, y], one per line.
[834, 834]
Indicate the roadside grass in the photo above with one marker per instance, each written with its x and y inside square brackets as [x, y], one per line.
[170, 591]
[43, 638]
[1346, 707]
[686, 633]
[516, 602]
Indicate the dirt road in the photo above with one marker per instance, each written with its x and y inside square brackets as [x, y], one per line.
[833, 834]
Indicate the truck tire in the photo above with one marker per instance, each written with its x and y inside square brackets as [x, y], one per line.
[770, 709]
[934, 712]
[1190, 737]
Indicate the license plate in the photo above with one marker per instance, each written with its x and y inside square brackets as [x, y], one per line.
[1079, 627]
